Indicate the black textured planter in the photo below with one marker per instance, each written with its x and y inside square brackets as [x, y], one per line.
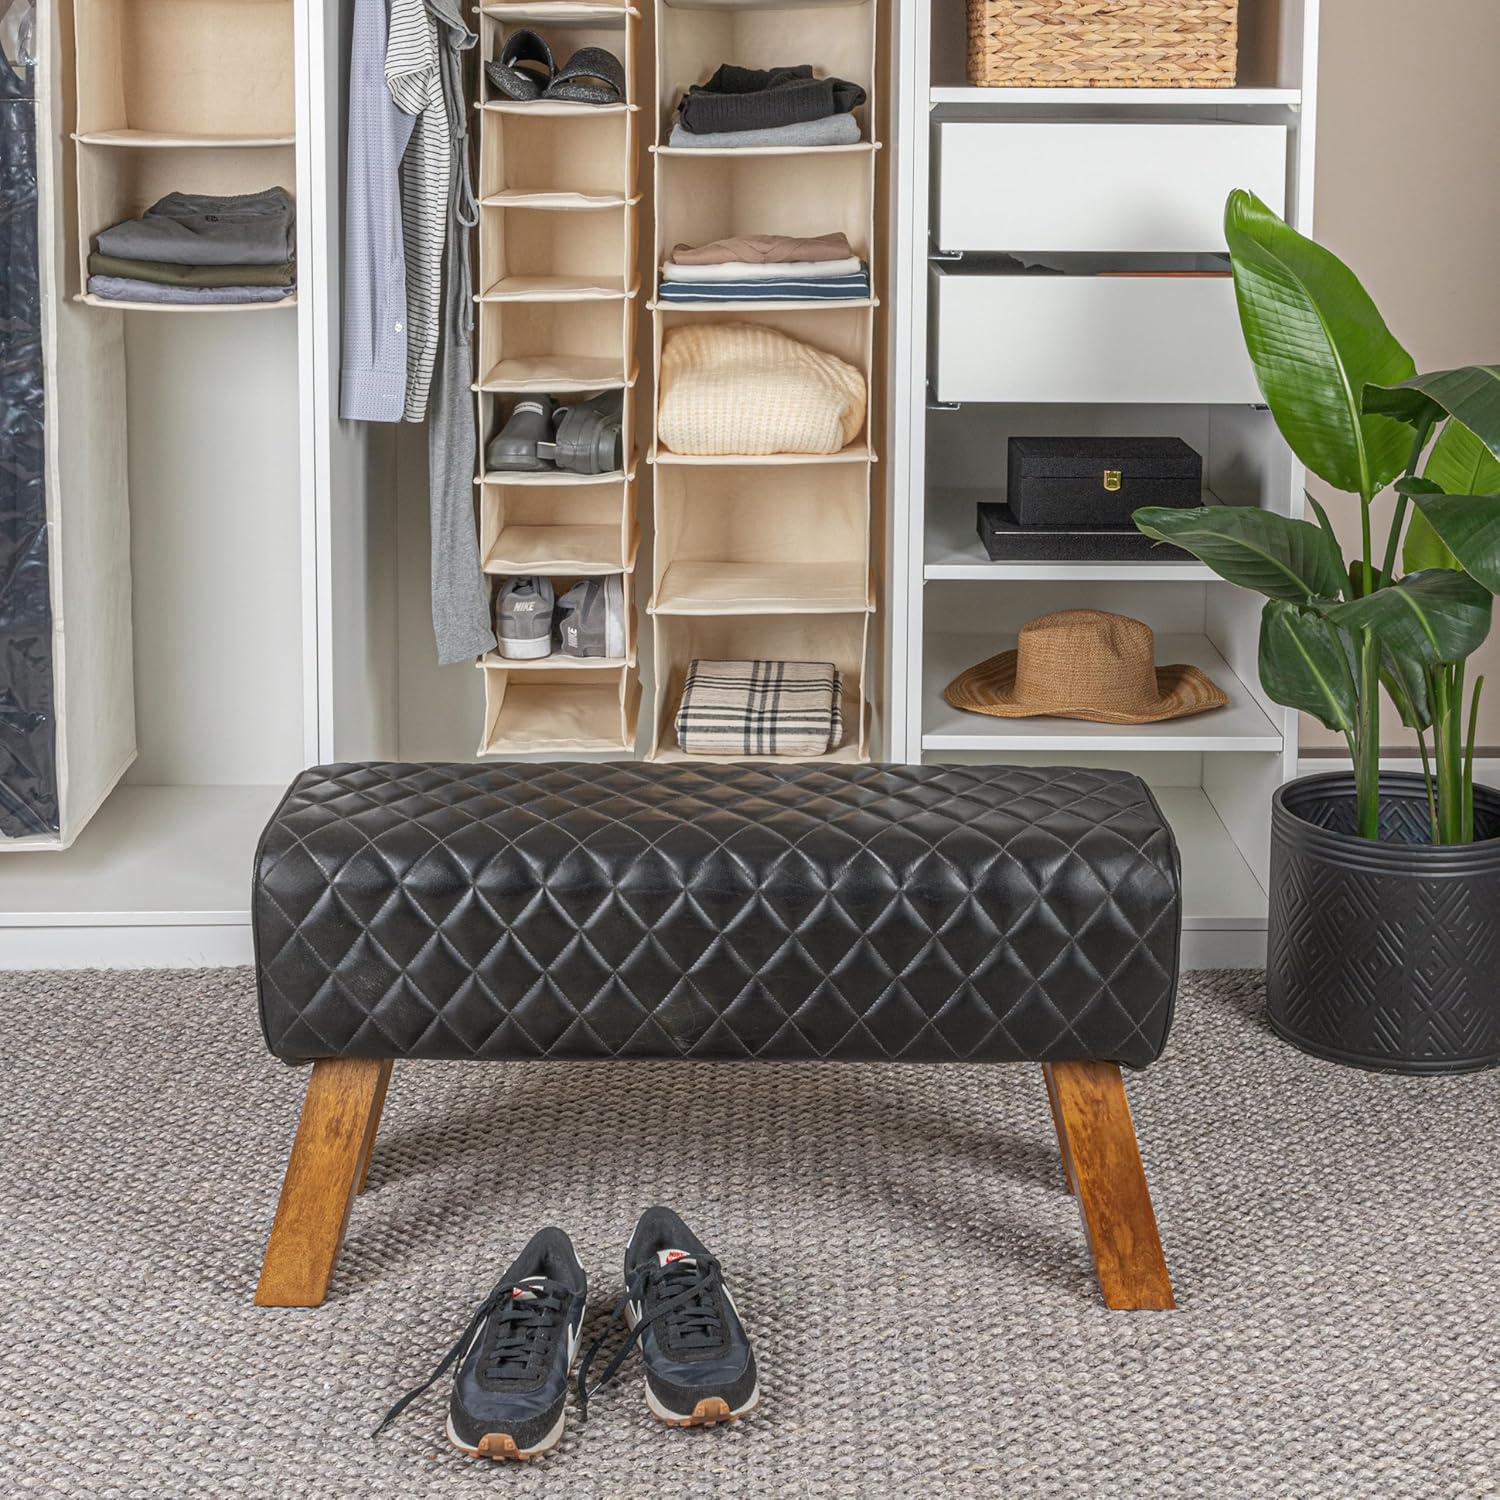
[1383, 955]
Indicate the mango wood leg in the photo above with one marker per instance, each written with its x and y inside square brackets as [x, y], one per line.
[1104, 1165]
[376, 1111]
[329, 1157]
[1059, 1127]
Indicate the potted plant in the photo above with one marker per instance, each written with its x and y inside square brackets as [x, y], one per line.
[1384, 925]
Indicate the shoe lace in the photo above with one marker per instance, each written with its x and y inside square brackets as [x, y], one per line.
[517, 1319]
[686, 1305]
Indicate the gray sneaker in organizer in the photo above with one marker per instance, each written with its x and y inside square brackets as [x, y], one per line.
[591, 618]
[523, 618]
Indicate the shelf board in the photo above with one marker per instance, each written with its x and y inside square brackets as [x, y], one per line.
[763, 304]
[972, 95]
[1241, 725]
[1219, 889]
[556, 108]
[953, 550]
[568, 550]
[856, 453]
[185, 307]
[159, 140]
[562, 13]
[528, 719]
[557, 202]
[151, 856]
[553, 477]
[556, 289]
[759, 4]
[708, 151]
[492, 661]
[763, 588]
[556, 372]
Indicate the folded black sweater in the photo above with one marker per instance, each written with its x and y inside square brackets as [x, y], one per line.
[761, 98]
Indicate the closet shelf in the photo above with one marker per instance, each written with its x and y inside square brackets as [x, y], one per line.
[146, 139]
[552, 108]
[570, 551]
[553, 477]
[185, 307]
[557, 202]
[953, 550]
[557, 372]
[979, 98]
[764, 588]
[788, 5]
[557, 288]
[808, 304]
[562, 13]
[856, 453]
[747, 151]
[558, 719]
[1241, 725]
[492, 661]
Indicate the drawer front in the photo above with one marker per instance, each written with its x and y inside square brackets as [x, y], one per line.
[1122, 187]
[1087, 339]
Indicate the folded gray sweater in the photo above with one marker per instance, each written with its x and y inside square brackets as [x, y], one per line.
[832, 130]
[203, 229]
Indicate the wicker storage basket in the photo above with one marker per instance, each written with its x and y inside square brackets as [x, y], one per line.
[1144, 44]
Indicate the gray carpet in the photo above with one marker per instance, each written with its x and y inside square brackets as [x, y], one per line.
[898, 1239]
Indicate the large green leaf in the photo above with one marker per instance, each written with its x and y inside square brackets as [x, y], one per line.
[1470, 393]
[1304, 663]
[1459, 464]
[1437, 616]
[1253, 548]
[1469, 526]
[1316, 340]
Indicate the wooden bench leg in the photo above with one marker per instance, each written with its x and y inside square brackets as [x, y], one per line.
[330, 1156]
[377, 1109]
[1103, 1164]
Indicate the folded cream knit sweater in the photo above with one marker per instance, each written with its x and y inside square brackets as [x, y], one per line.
[743, 388]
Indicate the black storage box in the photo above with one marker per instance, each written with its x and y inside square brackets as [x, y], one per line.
[1005, 541]
[1094, 481]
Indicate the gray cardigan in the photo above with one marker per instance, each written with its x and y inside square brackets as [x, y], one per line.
[373, 383]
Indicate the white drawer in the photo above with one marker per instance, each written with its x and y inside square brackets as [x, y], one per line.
[1087, 339]
[1117, 187]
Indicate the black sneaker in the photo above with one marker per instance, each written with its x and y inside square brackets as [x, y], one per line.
[512, 1384]
[699, 1366]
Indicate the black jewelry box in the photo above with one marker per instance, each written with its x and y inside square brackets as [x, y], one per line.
[1007, 541]
[1098, 481]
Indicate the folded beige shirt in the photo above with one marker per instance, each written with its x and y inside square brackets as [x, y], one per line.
[764, 247]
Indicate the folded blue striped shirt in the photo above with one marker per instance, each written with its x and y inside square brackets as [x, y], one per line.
[814, 289]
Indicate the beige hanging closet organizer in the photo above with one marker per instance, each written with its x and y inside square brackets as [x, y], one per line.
[558, 288]
[765, 557]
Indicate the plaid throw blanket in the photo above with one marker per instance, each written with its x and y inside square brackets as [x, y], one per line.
[761, 708]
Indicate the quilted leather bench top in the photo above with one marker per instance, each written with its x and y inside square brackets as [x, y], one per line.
[592, 910]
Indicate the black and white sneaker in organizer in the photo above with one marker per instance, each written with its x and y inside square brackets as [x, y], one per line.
[524, 609]
[699, 1366]
[511, 1390]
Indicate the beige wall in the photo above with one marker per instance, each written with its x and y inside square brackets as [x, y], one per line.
[1408, 144]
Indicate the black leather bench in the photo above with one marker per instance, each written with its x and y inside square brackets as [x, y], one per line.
[866, 913]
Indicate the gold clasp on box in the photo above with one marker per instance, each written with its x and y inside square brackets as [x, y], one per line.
[1111, 479]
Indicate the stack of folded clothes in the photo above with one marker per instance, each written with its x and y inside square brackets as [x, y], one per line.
[744, 107]
[761, 708]
[197, 248]
[765, 267]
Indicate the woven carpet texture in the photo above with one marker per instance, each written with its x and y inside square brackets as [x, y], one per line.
[898, 1240]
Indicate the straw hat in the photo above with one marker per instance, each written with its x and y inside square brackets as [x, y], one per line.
[1084, 664]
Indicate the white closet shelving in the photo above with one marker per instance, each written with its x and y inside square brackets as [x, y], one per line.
[767, 557]
[189, 693]
[193, 96]
[558, 285]
[1091, 181]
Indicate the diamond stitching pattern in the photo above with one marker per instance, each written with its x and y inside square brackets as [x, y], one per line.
[583, 910]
